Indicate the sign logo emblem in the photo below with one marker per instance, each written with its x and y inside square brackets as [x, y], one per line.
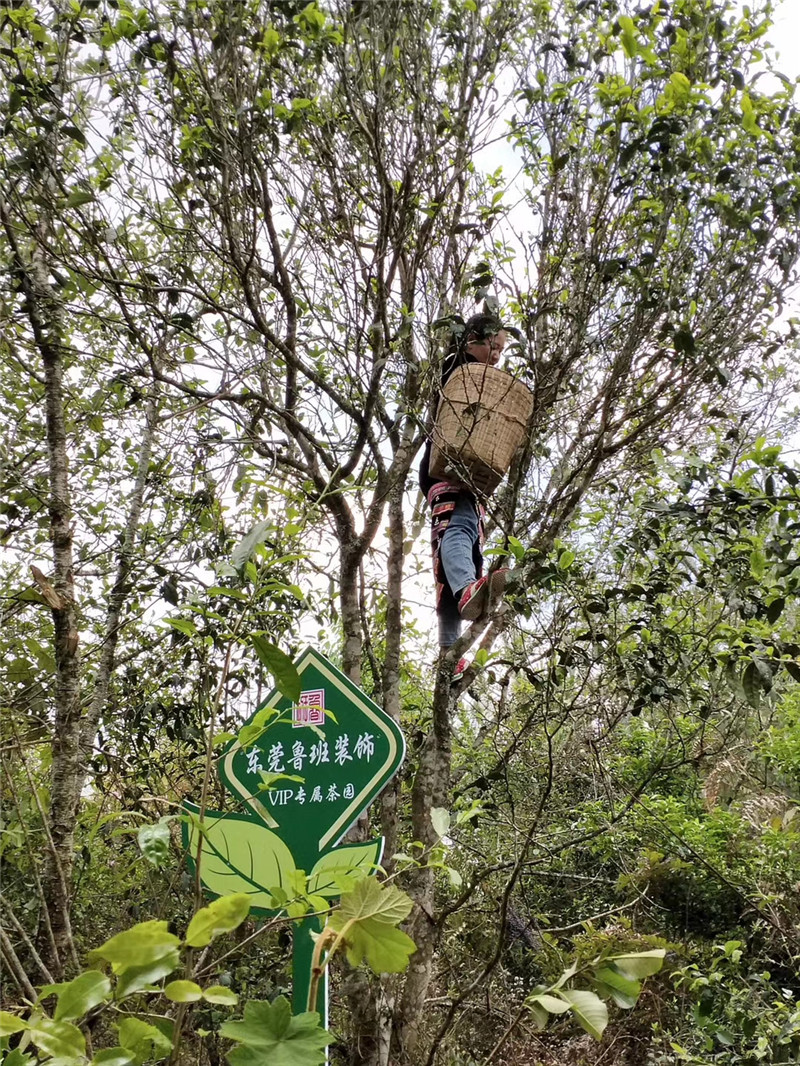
[310, 710]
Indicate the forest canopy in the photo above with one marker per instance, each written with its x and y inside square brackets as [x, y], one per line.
[235, 236]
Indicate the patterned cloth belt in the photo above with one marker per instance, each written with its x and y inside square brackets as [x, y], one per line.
[442, 499]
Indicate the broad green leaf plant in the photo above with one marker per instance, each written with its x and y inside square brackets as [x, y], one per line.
[614, 977]
[143, 958]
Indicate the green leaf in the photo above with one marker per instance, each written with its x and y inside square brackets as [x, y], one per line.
[588, 1010]
[77, 997]
[280, 666]
[270, 1034]
[775, 609]
[57, 1039]
[142, 1040]
[566, 559]
[75, 134]
[440, 820]
[219, 917]
[141, 945]
[638, 964]
[222, 738]
[248, 544]
[758, 562]
[628, 36]
[338, 870]
[154, 842]
[366, 921]
[751, 685]
[239, 854]
[146, 977]
[78, 198]
[18, 1058]
[183, 625]
[552, 1004]
[113, 1056]
[681, 87]
[623, 990]
[183, 992]
[270, 40]
[251, 731]
[517, 548]
[10, 1023]
[539, 1014]
[220, 994]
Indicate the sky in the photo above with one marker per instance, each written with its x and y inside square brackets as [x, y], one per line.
[785, 35]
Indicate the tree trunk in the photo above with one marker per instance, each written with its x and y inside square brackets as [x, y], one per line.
[45, 317]
[431, 789]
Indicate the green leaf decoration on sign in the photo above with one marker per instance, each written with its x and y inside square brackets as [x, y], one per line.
[269, 1033]
[338, 870]
[366, 921]
[142, 1040]
[221, 916]
[588, 1010]
[58, 1040]
[78, 996]
[241, 855]
[280, 666]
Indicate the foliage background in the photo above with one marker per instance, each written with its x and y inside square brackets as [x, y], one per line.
[228, 229]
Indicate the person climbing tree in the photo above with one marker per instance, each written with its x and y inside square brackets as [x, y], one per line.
[457, 516]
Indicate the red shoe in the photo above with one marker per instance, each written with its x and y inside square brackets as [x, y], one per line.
[475, 597]
[460, 670]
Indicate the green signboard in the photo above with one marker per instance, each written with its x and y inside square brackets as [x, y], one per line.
[341, 744]
[302, 772]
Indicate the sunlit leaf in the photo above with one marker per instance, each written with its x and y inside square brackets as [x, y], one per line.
[280, 666]
[338, 870]
[56, 1039]
[636, 965]
[367, 918]
[183, 991]
[221, 916]
[79, 995]
[588, 1010]
[221, 995]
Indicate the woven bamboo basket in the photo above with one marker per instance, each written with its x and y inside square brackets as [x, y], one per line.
[481, 421]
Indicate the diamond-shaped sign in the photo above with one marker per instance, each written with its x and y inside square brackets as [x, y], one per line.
[326, 757]
[337, 748]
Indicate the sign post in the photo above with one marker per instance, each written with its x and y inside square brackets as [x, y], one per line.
[302, 773]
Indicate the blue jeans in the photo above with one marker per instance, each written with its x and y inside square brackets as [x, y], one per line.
[462, 561]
